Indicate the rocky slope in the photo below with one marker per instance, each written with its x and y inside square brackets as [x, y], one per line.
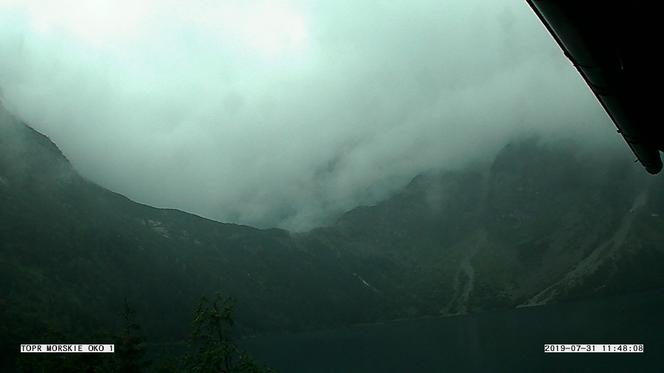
[71, 252]
[541, 223]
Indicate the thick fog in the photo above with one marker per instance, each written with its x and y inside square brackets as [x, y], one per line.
[285, 113]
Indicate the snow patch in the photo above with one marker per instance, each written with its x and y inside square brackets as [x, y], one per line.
[158, 227]
[366, 284]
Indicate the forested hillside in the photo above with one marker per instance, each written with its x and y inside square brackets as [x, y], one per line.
[543, 222]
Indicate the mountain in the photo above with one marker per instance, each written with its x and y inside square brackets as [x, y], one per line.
[543, 222]
[71, 252]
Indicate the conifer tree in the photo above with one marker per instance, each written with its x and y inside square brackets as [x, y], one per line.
[130, 344]
[211, 344]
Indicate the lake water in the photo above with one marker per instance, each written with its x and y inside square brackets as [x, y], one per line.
[501, 341]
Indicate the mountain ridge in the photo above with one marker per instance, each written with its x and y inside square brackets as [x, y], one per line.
[541, 223]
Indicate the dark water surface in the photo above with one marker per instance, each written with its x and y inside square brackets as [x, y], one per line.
[502, 341]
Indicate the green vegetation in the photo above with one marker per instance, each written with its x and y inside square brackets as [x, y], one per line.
[130, 344]
[489, 236]
[211, 348]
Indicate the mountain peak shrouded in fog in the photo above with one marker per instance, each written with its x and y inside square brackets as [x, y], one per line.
[29, 157]
[285, 113]
[399, 181]
[490, 235]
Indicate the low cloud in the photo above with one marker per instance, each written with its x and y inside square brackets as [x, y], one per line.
[285, 113]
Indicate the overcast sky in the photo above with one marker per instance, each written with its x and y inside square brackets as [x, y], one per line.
[284, 113]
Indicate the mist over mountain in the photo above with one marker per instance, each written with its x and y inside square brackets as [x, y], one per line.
[543, 222]
[285, 114]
